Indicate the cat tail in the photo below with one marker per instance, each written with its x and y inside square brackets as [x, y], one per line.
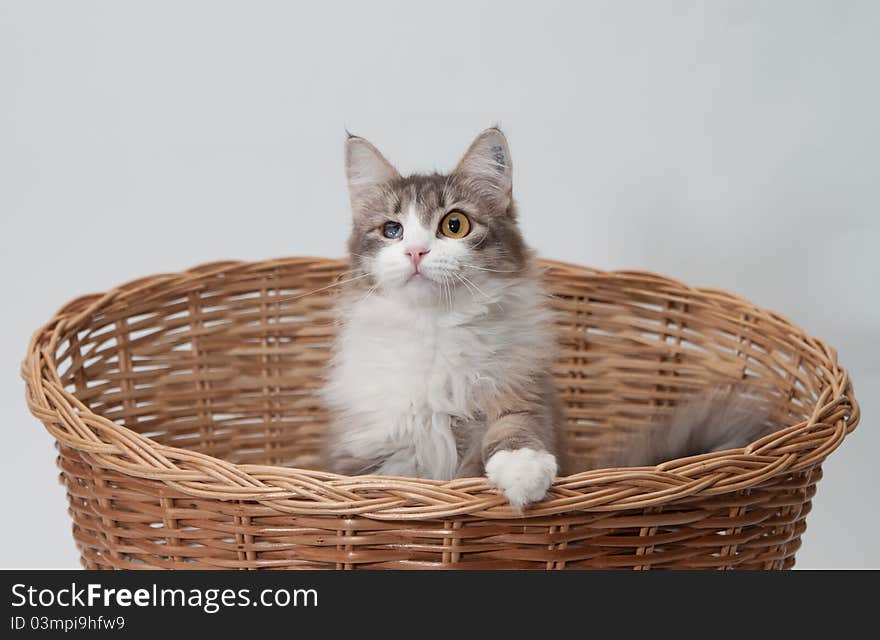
[725, 417]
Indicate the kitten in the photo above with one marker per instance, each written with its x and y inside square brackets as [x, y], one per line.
[442, 365]
[441, 368]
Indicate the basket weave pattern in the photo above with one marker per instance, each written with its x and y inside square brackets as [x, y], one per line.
[188, 425]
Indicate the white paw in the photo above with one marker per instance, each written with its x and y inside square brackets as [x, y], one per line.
[524, 475]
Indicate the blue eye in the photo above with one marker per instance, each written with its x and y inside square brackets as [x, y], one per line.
[392, 230]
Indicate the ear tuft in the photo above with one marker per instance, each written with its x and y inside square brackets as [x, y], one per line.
[365, 167]
[488, 160]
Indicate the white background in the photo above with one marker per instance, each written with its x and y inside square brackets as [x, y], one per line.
[729, 144]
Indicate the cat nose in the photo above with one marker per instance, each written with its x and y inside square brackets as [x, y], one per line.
[415, 254]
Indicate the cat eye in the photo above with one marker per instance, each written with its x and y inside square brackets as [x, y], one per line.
[455, 225]
[392, 230]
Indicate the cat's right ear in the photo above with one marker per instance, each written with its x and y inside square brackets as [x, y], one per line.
[365, 168]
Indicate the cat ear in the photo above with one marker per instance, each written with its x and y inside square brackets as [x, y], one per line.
[365, 167]
[487, 161]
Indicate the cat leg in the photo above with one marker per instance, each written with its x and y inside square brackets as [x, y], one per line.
[468, 434]
[518, 455]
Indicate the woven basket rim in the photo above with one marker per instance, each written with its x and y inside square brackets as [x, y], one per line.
[306, 491]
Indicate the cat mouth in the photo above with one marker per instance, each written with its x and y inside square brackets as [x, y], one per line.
[418, 279]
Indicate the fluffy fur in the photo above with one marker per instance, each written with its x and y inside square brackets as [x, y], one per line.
[724, 417]
[436, 372]
[442, 364]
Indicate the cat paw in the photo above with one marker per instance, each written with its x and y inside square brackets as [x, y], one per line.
[524, 475]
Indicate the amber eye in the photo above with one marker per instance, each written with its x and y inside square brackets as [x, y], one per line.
[455, 225]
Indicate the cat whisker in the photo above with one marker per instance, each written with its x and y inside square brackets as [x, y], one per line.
[471, 283]
[484, 238]
[369, 292]
[473, 266]
[467, 286]
[451, 292]
[329, 286]
[447, 281]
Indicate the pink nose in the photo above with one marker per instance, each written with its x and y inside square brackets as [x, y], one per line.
[416, 254]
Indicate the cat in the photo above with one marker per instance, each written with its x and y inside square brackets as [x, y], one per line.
[441, 368]
[442, 364]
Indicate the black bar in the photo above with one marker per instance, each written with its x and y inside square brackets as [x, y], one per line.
[449, 603]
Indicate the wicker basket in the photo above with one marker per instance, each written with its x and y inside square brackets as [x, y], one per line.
[185, 411]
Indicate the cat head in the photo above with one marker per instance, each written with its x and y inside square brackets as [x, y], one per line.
[425, 235]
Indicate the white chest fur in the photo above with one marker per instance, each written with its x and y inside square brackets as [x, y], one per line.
[401, 372]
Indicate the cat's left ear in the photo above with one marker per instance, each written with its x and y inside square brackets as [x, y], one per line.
[487, 162]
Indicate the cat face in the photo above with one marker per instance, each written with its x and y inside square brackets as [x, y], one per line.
[425, 236]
